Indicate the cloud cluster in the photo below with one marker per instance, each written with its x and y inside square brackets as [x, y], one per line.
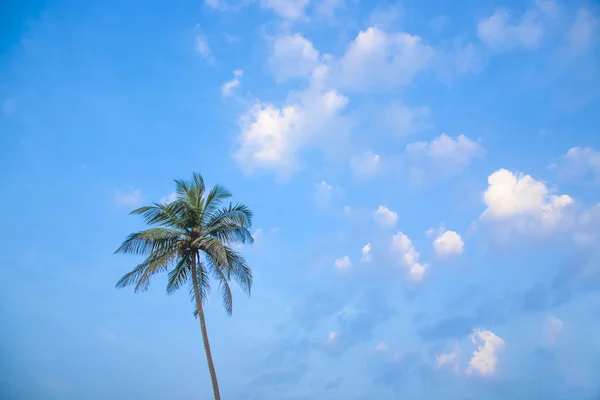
[343, 263]
[485, 358]
[523, 202]
[502, 31]
[376, 60]
[385, 217]
[272, 137]
[409, 256]
[448, 243]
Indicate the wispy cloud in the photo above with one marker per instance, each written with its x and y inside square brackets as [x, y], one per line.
[128, 198]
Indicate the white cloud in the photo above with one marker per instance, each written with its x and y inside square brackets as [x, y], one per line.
[382, 347]
[580, 162]
[288, 9]
[128, 198]
[523, 201]
[554, 328]
[293, 56]
[448, 243]
[379, 60]
[365, 165]
[409, 256]
[271, 137]
[450, 153]
[583, 33]
[385, 217]
[450, 360]
[501, 31]
[201, 45]
[171, 197]
[485, 358]
[343, 263]
[366, 253]
[228, 87]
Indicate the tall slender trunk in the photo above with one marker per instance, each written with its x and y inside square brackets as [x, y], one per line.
[211, 366]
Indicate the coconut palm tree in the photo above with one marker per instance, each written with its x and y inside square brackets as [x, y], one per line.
[191, 238]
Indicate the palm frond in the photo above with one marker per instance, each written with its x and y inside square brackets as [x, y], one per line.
[168, 215]
[238, 214]
[237, 269]
[231, 225]
[179, 275]
[213, 248]
[140, 275]
[182, 188]
[192, 191]
[148, 241]
[215, 199]
[203, 284]
[226, 294]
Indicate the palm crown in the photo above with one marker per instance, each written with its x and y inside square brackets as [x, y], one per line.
[196, 223]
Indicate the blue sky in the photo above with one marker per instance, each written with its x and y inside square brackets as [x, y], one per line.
[424, 177]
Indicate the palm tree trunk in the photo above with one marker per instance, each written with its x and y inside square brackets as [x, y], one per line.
[211, 366]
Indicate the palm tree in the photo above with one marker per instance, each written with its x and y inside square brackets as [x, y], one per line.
[191, 237]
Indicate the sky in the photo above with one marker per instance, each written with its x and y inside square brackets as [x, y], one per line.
[424, 177]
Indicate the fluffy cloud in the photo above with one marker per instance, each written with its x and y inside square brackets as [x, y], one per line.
[292, 57]
[485, 358]
[446, 151]
[379, 60]
[448, 243]
[366, 253]
[402, 245]
[385, 217]
[365, 165]
[343, 263]
[523, 201]
[501, 31]
[271, 137]
[228, 87]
